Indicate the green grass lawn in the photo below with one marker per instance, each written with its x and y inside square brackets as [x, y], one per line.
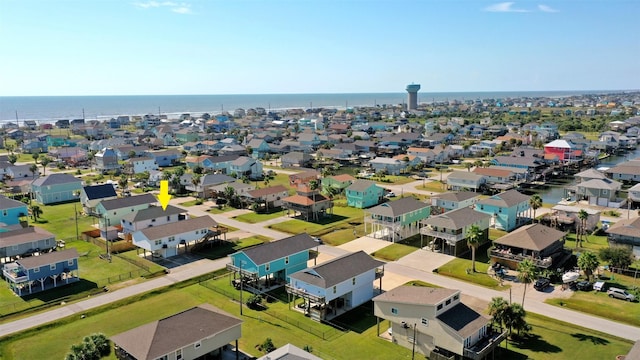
[253, 218]
[434, 186]
[191, 203]
[60, 220]
[592, 242]
[343, 218]
[395, 180]
[224, 248]
[395, 251]
[457, 268]
[216, 210]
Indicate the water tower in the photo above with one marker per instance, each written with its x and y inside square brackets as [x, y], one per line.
[412, 103]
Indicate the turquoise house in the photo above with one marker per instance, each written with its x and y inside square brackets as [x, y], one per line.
[11, 211]
[60, 141]
[396, 220]
[56, 188]
[506, 209]
[363, 194]
[271, 263]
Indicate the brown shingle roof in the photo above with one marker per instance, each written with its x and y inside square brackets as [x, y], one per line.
[456, 219]
[157, 338]
[418, 295]
[338, 270]
[21, 236]
[180, 227]
[506, 199]
[53, 257]
[343, 177]
[531, 237]
[267, 191]
[398, 207]
[626, 227]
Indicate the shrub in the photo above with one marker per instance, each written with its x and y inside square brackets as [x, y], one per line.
[254, 301]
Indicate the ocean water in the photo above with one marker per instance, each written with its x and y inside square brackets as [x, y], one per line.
[51, 108]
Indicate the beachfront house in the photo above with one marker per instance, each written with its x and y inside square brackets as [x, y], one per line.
[336, 286]
[539, 243]
[395, 220]
[507, 209]
[202, 332]
[465, 181]
[164, 240]
[448, 232]
[270, 264]
[364, 193]
[39, 273]
[435, 322]
[56, 188]
[11, 211]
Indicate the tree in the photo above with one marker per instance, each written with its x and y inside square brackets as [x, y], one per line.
[535, 201]
[588, 262]
[198, 169]
[468, 166]
[123, 182]
[34, 170]
[44, 162]
[12, 158]
[195, 180]
[617, 256]
[36, 212]
[526, 274]
[474, 236]
[583, 215]
[267, 346]
[498, 308]
[515, 319]
[94, 346]
[132, 154]
[35, 156]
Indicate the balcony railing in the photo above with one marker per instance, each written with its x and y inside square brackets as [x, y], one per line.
[304, 294]
[441, 235]
[15, 274]
[483, 347]
[500, 254]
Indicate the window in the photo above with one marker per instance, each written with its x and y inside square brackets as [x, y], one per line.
[158, 242]
[424, 322]
[353, 281]
[70, 262]
[481, 207]
[456, 297]
[35, 270]
[286, 260]
[267, 267]
[4, 213]
[172, 238]
[52, 267]
[448, 302]
[179, 354]
[197, 345]
[439, 306]
[335, 289]
[168, 218]
[153, 220]
[394, 311]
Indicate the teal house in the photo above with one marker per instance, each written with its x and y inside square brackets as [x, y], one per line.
[363, 194]
[396, 220]
[337, 184]
[507, 209]
[11, 211]
[56, 188]
[59, 141]
[270, 264]
[259, 148]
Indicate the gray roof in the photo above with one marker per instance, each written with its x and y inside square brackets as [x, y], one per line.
[626, 227]
[591, 174]
[463, 320]
[216, 179]
[128, 201]
[464, 175]
[607, 184]
[398, 207]
[55, 179]
[531, 237]
[289, 352]
[279, 249]
[506, 199]
[338, 270]
[153, 212]
[456, 219]
[6, 203]
[180, 227]
[53, 257]
[157, 338]
[361, 185]
[24, 235]
[417, 295]
[456, 196]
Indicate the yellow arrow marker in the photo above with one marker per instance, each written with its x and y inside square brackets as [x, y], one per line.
[164, 196]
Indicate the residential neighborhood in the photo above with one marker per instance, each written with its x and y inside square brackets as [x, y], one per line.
[405, 232]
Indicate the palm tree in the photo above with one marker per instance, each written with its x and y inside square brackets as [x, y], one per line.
[474, 236]
[36, 212]
[526, 274]
[583, 215]
[588, 262]
[195, 180]
[34, 170]
[515, 319]
[535, 201]
[44, 162]
[478, 163]
[123, 182]
[35, 156]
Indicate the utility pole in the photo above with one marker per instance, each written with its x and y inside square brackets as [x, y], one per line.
[241, 287]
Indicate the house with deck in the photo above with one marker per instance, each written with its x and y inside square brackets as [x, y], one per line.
[396, 220]
[269, 197]
[436, 323]
[566, 216]
[165, 240]
[507, 209]
[202, 332]
[625, 232]
[308, 202]
[539, 243]
[107, 160]
[628, 172]
[465, 181]
[270, 264]
[448, 232]
[364, 193]
[39, 273]
[441, 203]
[390, 166]
[336, 286]
[11, 211]
[599, 192]
[245, 166]
[150, 217]
[90, 196]
[56, 188]
[110, 212]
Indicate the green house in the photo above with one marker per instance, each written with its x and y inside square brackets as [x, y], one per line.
[364, 193]
[336, 184]
[396, 220]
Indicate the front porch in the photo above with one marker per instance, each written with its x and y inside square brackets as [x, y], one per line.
[316, 307]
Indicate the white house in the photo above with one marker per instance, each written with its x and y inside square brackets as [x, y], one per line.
[164, 240]
[142, 164]
[337, 285]
[152, 216]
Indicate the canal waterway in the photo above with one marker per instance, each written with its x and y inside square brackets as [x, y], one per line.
[553, 190]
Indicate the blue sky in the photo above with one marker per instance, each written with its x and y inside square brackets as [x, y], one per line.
[104, 47]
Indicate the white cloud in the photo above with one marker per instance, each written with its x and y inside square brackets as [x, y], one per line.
[504, 7]
[178, 8]
[546, 8]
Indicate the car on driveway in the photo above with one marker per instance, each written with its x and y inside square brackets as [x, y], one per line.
[620, 294]
[584, 286]
[541, 284]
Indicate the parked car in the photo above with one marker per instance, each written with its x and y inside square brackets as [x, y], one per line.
[541, 284]
[620, 294]
[390, 195]
[584, 286]
[599, 286]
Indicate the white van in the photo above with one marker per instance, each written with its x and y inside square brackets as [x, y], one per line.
[599, 286]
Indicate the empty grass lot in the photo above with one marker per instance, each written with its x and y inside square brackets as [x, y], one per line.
[254, 218]
[457, 268]
[59, 219]
[395, 251]
[434, 186]
[343, 218]
[221, 249]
